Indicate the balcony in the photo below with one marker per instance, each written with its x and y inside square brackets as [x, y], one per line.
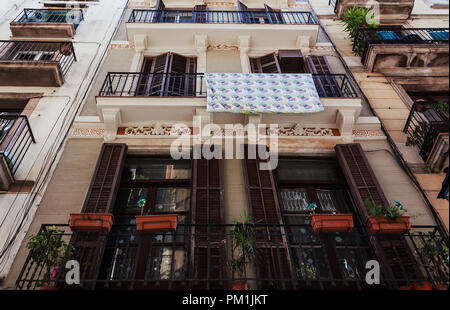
[198, 257]
[162, 27]
[176, 97]
[388, 9]
[27, 63]
[46, 23]
[427, 129]
[16, 137]
[404, 51]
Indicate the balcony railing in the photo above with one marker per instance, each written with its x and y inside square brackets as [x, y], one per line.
[366, 37]
[221, 17]
[73, 16]
[61, 53]
[194, 84]
[16, 137]
[199, 257]
[424, 125]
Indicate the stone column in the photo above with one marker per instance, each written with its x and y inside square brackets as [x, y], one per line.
[111, 122]
[244, 47]
[201, 45]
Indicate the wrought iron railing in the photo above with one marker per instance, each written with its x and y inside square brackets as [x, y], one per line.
[62, 53]
[194, 84]
[221, 17]
[424, 126]
[73, 16]
[16, 137]
[366, 37]
[200, 257]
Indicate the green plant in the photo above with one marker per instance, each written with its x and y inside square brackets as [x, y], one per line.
[442, 108]
[356, 18]
[141, 204]
[307, 271]
[49, 250]
[415, 138]
[388, 212]
[431, 252]
[243, 244]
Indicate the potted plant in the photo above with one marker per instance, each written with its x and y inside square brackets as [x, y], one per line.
[244, 250]
[325, 223]
[356, 18]
[49, 251]
[387, 219]
[150, 223]
[307, 271]
[91, 222]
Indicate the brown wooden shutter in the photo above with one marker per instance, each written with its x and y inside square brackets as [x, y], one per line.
[274, 269]
[393, 252]
[101, 197]
[207, 203]
[208, 252]
[265, 64]
[104, 185]
[326, 85]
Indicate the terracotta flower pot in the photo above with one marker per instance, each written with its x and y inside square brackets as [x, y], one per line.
[386, 226]
[441, 287]
[405, 288]
[91, 222]
[422, 286]
[156, 223]
[324, 223]
[240, 286]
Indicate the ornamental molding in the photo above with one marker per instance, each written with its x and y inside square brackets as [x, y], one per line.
[223, 47]
[157, 129]
[298, 130]
[368, 133]
[86, 132]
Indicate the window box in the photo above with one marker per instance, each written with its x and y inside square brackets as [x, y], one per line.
[325, 223]
[240, 286]
[422, 286]
[156, 223]
[91, 222]
[386, 226]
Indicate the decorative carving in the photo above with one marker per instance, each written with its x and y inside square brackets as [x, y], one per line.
[223, 47]
[157, 129]
[298, 130]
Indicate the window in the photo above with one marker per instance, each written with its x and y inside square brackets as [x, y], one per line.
[165, 184]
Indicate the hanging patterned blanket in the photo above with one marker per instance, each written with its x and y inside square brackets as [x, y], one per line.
[262, 93]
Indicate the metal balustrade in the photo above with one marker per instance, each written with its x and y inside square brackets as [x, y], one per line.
[16, 137]
[423, 127]
[400, 36]
[221, 17]
[62, 53]
[73, 16]
[200, 256]
[194, 84]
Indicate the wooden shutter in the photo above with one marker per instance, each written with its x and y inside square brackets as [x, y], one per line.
[151, 84]
[327, 85]
[208, 252]
[274, 17]
[101, 196]
[265, 64]
[392, 251]
[104, 185]
[274, 268]
[200, 13]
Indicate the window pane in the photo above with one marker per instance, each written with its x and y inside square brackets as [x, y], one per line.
[166, 263]
[309, 170]
[156, 169]
[334, 201]
[294, 200]
[127, 198]
[173, 199]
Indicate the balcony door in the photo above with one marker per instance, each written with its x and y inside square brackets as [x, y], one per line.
[168, 74]
[324, 261]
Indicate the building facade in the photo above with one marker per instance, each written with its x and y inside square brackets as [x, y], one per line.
[191, 103]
